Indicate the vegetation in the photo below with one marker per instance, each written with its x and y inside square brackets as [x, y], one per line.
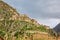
[11, 27]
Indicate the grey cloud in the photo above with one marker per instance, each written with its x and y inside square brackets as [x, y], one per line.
[43, 8]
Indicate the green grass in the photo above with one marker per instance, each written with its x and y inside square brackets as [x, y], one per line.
[39, 39]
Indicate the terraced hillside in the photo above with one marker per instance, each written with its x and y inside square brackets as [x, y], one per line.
[14, 26]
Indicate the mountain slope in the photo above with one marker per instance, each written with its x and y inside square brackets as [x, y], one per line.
[11, 23]
[57, 28]
[7, 12]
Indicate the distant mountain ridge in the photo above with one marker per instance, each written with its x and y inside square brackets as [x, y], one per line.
[57, 28]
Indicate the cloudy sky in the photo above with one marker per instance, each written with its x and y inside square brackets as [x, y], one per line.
[44, 11]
